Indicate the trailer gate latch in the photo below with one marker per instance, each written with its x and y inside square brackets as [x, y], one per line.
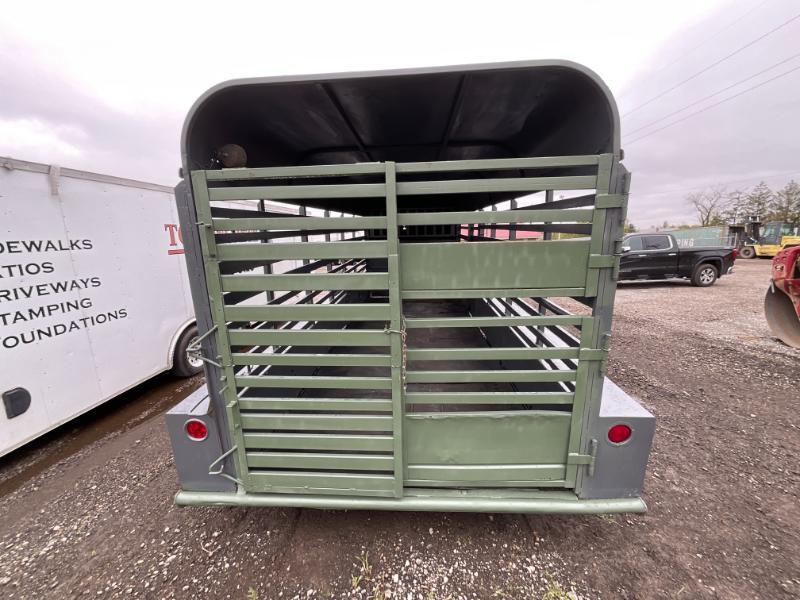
[574, 458]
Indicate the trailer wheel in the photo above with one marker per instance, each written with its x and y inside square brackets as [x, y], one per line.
[704, 275]
[184, 365]
[748, 252]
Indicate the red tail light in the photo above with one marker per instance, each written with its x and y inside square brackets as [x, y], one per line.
[735, 254]
[196, 430]
[619, 434]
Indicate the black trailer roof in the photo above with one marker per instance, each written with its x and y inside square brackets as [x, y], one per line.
[500, 110]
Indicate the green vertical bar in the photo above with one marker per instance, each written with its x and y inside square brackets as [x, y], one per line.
[587, 393]
[594, 335]
[612, 177]
[396, 324]
[213, 281]
[580, 399]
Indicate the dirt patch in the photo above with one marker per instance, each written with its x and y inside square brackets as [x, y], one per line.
[722, 491]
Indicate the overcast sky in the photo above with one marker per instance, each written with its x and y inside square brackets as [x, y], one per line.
[105, 89]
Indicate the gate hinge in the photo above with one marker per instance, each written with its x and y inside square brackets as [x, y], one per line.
[574, 458]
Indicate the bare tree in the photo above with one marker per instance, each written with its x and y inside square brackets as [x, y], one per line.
[709, 205]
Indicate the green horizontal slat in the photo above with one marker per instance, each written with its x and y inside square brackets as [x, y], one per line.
[309, 312]
[521, 184]
[289, 192]
[299, 171]
[330, 404]
[308, 337]
[360, 249]
[319, 441]
[303, 281]
[304, 223]
[491, 353]
[488, 398]
[492, 321]
[317, 422]
[488, 217]
[503, 375]
[439, 484]
[492, 293]
[487, 473]
[330, 462]
[293, 381]
[265, 481]
[610, 201]
[313, 360]
[495, 164]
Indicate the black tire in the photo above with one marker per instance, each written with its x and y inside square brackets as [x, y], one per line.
[182, 365]
[748, 252]
[705, 275]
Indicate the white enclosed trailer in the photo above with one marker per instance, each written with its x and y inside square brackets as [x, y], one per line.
[94, 297]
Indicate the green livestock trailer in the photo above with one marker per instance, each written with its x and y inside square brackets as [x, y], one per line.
[379, 328]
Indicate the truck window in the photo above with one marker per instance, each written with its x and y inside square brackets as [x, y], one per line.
[634, 243]
[657, 242]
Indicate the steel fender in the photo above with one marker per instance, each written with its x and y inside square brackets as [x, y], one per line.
[193, 458]
[619, 468]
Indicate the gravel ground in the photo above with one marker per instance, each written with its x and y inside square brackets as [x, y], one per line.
[722, 490]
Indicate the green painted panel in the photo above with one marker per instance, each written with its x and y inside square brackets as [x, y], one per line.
[487, 438]
[316, 382]
[309, 460]
[316, 404]
[316, 422]
[490, 353]
[486, 474]
[489, 398]
[314, 360]
[513, 264]
[536, 162]
[487, 217]
[500, 375]
[292, 223]
[309, 312]
[312, 281]
[360, 249]
[324, 483]
[492, 321]
[308, 337]
[298, 171]
[433, 294]
[442, 485]
[301, 192]
[516, 184]
[339, 442]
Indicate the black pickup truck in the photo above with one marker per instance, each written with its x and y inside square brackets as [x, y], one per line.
[657, 256]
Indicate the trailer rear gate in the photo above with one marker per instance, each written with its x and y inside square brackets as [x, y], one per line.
[412, 348]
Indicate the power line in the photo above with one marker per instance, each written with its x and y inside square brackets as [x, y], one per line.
[710, 106]
[714, 64]
[715, 35]
[717, 93]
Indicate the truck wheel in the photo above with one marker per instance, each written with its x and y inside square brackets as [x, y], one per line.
[748, 252]
[705, 275]
[184, 365]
